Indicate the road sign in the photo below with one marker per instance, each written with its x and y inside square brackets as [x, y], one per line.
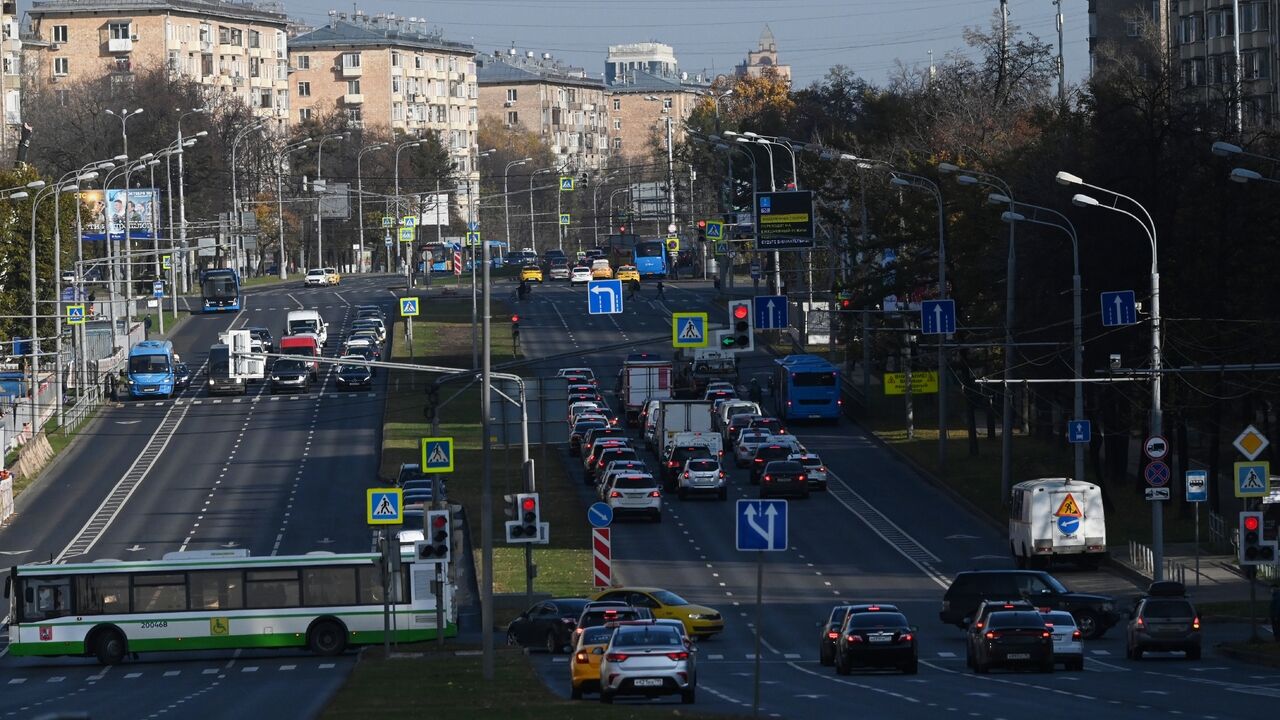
[1156, 473]
[786, 217]
[673, 243]
[784, 243]
[437, 455]
[1068, 524]
[922, 383]
[157, 288]
[1119, 308]
[715, 230]
[601, 556]
[1251, 478]
[604, 297]
[406, 234]
[1197, 486]
[409, 307]
[383, 506]
[938, 317]
[1068, 507]
[1079, 431]
[564, 218]
[75, 314]
[473, 226]
[409, 221]
[388, 221]
[722, 248]
[386, 240]
[771, 312]
[755, 271]
[1158, 493]
[566, 183]
[688, 330]
[473, 238]
[1251, 443]
[762, 525]
[600, 515]
[166, 262]
[1156, 447]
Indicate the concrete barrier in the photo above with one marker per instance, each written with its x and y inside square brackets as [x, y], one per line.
[33, 456]
[6, 495]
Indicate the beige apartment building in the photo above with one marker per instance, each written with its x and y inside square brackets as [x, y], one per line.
[561, 104]
[640, 107]
[238, 48]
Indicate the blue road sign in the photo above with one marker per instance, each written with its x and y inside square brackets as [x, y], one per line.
[473, 226]
[1079, 431]
[157, 288]
[383, 505]
[755, 271]
[688, 330]
[938, 317]
[1068, 524]
[75, 314]
[437, 454]
[1197, 486]
[1157, 473]
[1119, 308]
[762, 525]
[771, 312]
[715, 230]
[604, 297]
[408, 307]
[600, 515]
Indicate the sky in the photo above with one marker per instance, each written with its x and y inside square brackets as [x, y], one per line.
[869, 36]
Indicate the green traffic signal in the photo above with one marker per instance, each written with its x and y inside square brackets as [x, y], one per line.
[728, 342]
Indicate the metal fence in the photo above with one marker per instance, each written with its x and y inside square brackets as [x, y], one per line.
[1143, 559]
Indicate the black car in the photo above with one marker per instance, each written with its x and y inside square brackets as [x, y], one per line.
[770, 424]
[181, 376]
[263, 335]
[354, 376]
[600, 612]
[549, 624]
[784, 477]
[609, 455]
[978, 625]
[877, 639]
[1012, 638]
[765, 454]
[831, 628]
[676, 457]
[1094, 614]
[580, 429]
[289, 375]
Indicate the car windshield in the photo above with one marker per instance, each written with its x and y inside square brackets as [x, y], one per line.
[877, 619]
[1059, 618]
[597, 617]
[647, 636]
[181, 369]
[811, 462]
[1015, 618]
[703, 465]
[597, 635]
[635, 482]
[302, 326]
[753, 437]
[287, 365]
[586, 425]
[315, 272]
[143, 364]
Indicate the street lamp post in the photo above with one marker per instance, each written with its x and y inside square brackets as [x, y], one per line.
[123, 116]
[69, 182]
[34, 387]
[919, 182]
[182, 196]
[360, 195]
[1157, 413]
[284, 154]
[235, 198]
[125, 170]
[399, 211]
[319, 195]
[506, 199]
[595, 208]
[533, 221]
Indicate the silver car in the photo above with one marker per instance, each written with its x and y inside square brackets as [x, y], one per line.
[702, 475]
[813, 467]
[647, 660]
[745, 449]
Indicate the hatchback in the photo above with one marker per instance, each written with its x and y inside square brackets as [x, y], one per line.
[1163, 623]
[1013, 638]
[647, 660]
[703, 475]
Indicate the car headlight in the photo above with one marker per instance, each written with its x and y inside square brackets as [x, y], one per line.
[210, 381]
[697, 616]
[275, 378]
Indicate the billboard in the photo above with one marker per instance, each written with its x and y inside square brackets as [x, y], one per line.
[435, 209]
[784, 220]
[110, 209]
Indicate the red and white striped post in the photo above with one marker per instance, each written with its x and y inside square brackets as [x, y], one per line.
[601, 557]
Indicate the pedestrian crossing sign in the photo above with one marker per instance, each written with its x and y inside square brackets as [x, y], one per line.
[437, 455]
[715, 230]
[473, 238]
[166, 262]
[688, 330]
[406, 234]
[566, 183]
[564, 218]
[1252, 478]
[408, 221]
[383, 506]
[75, 314]
[409, 307]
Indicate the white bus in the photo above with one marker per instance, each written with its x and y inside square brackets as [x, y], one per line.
[213, 600]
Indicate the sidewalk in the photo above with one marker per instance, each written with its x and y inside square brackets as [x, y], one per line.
[1218, 581]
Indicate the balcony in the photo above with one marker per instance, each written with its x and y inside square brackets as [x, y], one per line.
[353, 99]
[349, 71]
[120, 45]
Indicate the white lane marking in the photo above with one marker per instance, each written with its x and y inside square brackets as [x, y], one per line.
[851, 683]
[17, 681]
[1006, 681]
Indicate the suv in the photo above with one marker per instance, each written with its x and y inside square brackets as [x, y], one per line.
[676, 457]
[765, 454]
[1163, 619]
[1094, 614]
[973, 634]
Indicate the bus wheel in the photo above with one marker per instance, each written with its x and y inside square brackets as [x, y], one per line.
[110, 646]
[326, 637]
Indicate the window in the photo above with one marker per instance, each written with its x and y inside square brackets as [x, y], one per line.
[102, 594]
[397, 85]
[304, 114]
[255, 67]
[512, 94]
[355, 117]
[1192, 72]
[353, 87]
[216, 590]
[617, 123]
[395, 59]
[271, 588]
[351, 60]
[264, 97]
[513, 117]
[46, 598]
[417, 62]
[1189, 29]
[666, 103]
[617, 143]
[159, 592]
[304, 89]
[304, 62]
[255, 39]
[617, 104]
[1255, 65]
[369, 578]
[397, 111]
[328, 586]
[1254, 16]
[118, 30]
[61, 66]
[59, 33]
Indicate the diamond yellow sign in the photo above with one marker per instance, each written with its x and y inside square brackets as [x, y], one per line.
[1251, 443]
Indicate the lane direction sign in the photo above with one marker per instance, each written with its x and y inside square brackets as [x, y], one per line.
[689, 330]
[383, 506]
[771, 312]
[600, 515]
[762, 525]
[604, 297]
[1119, 307]
[437, 455]
[1079, 431]
[938, 317]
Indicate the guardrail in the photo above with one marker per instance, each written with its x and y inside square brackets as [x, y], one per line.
[1143, 559]
[1217, 528]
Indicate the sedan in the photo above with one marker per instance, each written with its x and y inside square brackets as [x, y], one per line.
[262, 335]
[580, 275]
[584, 670]
[814, 467]
[647, 660]
[291, 375]
[580, 429]
[548, 624]
[1015, 637]
[830, 636]
[316, 277]
[1068, 645]
[748, 441]
[531, 273]
[354, 376]
[877, 639]
[181, 376]
[783, 477]
[699, 620]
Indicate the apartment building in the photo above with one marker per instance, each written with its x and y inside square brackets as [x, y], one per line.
[11, 76]
[239, 48]
[640, 106]
[561, 104]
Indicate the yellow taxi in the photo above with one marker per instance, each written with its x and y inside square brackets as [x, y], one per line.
[332, 276]
[584, 669]
[699, 621]
[531, 273]
[627, 273]
[600, 270]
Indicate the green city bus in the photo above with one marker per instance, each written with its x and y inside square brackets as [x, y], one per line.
[221, 599]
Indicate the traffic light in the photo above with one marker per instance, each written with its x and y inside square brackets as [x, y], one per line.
[741, 327]
[437, 546]
[702, 231]
[1253, 549]
[525, 516]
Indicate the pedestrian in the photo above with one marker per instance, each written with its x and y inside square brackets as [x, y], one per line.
[755, 393]
[660, 290]
[1275, 613]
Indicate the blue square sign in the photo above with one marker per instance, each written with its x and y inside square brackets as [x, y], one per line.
[771, 312]
[938, 317]
[604, 297]
[1079, 431]
[1119, 308]
[762, 525]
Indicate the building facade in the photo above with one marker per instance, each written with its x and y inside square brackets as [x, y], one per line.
[235, 48]
[11, 77]
[764, 59]
[561, 104]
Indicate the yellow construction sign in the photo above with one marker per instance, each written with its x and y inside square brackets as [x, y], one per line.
[922, 383]
[1069, 507]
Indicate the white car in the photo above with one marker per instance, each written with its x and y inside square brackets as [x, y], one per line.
[721, 385]
[1068, 644]
[745, 449]
[635, 494]
[316, 277]
[622, 467]
[579, 274]
[702, 475]
[584, 371]
[790, 441]
[578, 408]
[558, 272]
[813, 466]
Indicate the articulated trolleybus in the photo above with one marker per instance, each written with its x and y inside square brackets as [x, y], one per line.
[221, 290]
[808, 388]
[221, 599]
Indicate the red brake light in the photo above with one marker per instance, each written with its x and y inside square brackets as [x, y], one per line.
[978, 625]
[1139, 623]
[822, 468]
[1046, 634]
[686, 473]
[615, 494]
[906, 638]
[616, 657]
[873, 608]
[1195, 623]
[1075, 634]
[853, 638]
[655, 493]
[992, 635]
[678, 655]
[671, 463]
[833, 635]
[768, 478]
[1008, 606]
[801, 478]
[581, 658]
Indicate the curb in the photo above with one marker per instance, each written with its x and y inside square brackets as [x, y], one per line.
[1248, 656]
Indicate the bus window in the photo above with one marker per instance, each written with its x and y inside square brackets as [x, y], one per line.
[147, 364]
[216, 589]
[329, 586]
[271, 588]
[102, 594]
[160, 593]
[818, 379]
[45, 598]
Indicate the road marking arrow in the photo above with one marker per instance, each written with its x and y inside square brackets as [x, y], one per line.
[136, 547]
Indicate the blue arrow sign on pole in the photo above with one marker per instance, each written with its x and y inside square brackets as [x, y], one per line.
[604, 297]
[938, 317]
[771, 312]
[600, 515]
[1079, 431]
[1119, 308]
[762, 525]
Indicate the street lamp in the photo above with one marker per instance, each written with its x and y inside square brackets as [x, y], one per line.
[907, 180]
[399, 211]
[33, 388]
[182, 194]
[284, 154]
[533, 243]
[506, 202]
[319, 184]
[235, 198]
[1157, 414]
[123, 116]
[360, 195]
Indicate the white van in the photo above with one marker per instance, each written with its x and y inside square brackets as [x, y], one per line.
[1056, 518]
[299, 322]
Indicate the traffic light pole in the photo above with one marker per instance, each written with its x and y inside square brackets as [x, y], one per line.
[486, 474]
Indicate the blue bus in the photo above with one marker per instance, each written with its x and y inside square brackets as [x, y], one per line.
[807, 388]
[221, 290]
[151, 369]
[649, 256]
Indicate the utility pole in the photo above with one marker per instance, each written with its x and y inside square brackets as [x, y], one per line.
[1062, 68]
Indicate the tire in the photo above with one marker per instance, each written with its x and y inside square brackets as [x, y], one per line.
[1193, 653]
[1076, 665]
[110, 646]
[683, 494]
[512, 641]
[575, 692]
[1046, 667]
[825, 659]
[606, 697]
[980, 668]
[687, 697]
[657, 517]
[551, 644]
[1090, 627]
[326, 638]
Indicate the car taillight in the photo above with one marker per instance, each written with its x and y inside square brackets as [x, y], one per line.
[581, 658]
[678, 655]
[1075, 634]
[833, 635]
[721, 473]
[801, 479]
[978, 625]
[616, 657]
[1139, 623]
[1195, 623]
[768, 478]
[1046, 634]
[655, 493]
[906, 637]
[853, 638]
[615, 494]
[686, 474]
[992, 635]
[759, 460]
[671, 463]
[590, 458]
[822, 468]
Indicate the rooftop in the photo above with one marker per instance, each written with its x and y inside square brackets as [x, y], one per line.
[372, 33]
[266, 10]
[511, 67]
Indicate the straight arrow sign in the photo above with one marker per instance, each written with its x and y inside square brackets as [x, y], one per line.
[751, 520]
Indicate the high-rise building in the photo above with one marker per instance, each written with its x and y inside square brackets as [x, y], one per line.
[630, 60]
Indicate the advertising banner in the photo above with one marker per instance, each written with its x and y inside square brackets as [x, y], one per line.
[110, 210]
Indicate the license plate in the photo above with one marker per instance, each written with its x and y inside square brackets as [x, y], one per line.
[1019, 656]
[875, 639]
[648, 682]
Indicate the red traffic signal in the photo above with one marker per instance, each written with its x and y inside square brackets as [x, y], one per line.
[702, 224]
[1251, 523]
[528, 504]
[515, 318]
[622, 228]
[439, 521]
[740, 312]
